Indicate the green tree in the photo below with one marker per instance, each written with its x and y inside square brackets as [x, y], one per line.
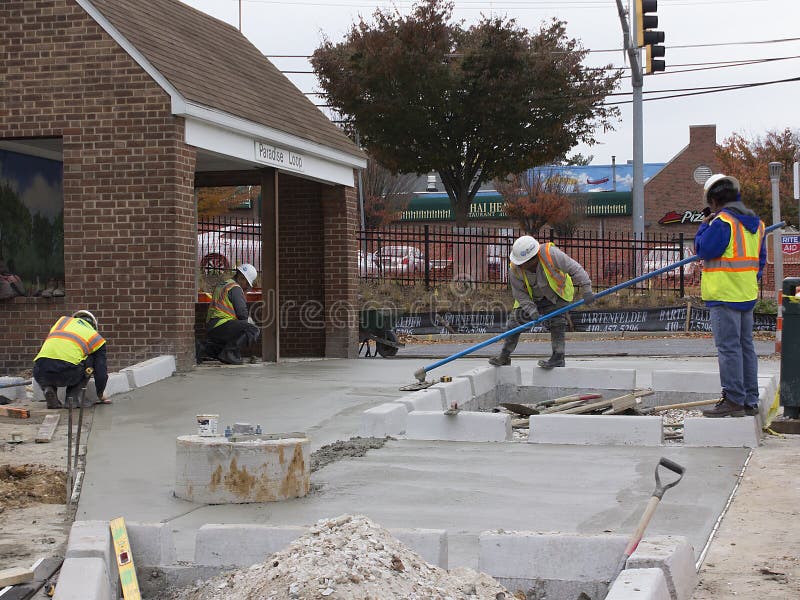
[748, 160]
[473, 104]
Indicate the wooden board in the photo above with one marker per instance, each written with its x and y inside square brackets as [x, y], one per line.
[15, 575]
[521, 409]
[122, 550]
[47, 428]
[14, 412]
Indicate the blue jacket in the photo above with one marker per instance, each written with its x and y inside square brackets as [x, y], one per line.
[711, 240]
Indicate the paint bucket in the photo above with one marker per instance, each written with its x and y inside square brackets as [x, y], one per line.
[207, 425]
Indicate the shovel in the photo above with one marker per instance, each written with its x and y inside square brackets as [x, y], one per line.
[658, 493]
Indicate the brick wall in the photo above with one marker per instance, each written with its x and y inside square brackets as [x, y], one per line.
[129, 213]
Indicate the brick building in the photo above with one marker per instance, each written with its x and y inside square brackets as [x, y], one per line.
[142, 102]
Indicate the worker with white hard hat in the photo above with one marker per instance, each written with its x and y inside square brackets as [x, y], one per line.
[72, 346]
[730, 240]
[228, 326]
[542, 279]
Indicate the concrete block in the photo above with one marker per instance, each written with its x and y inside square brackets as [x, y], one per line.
[383, 420]
[430, 544]
[152, 544]
[463, 427]
[509, 375]
[38, 394]
[83, 579]
[736, 432]
[429, 399]
[117, 384]
[687, 381]
[639, 584]
[600, 430]
[587, 378]
[674, 556]
[241, 545]
[459, 390]
[150, 371]
[92, 539]
[482, 379]
[13, 393]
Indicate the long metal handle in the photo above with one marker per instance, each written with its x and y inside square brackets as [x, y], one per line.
[420, 373]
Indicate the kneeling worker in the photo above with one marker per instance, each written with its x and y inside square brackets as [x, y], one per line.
[541, 278]
[227, 325]
[72, 346]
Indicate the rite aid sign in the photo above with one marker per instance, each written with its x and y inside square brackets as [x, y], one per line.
[790, 243]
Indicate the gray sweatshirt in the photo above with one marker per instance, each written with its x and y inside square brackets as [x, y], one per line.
[538, 281]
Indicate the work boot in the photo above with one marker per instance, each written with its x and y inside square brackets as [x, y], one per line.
[751, 411]
[556, 360]
[51, 397]
[230, 357]
[500, 360]
[724, 408]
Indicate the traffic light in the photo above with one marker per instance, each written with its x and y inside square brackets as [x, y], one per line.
[647, 36]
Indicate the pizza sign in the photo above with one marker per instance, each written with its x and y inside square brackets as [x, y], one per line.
[676, 218]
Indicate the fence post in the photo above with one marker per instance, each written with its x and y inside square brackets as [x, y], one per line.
[427, 259]
[680, 254]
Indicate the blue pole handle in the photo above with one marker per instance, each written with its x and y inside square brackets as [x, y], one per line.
[420, 373]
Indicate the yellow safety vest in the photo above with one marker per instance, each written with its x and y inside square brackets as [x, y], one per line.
[733, 277]
[70, 340]
[559, 281]
[221, 307]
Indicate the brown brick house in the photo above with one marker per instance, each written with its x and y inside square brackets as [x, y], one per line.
[142, 102]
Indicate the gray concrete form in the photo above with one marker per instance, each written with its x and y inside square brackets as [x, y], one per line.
[482, 388]
[552, 565]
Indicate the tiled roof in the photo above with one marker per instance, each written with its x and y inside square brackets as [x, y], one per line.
[211, 63]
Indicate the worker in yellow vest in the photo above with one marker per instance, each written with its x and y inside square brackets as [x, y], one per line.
[228, 324]
[730, 241]
[542, 279]
[72, 345]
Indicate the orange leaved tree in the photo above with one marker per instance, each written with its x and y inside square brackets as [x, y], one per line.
[535, 198]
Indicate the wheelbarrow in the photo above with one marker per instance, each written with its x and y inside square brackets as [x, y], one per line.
[378, 325]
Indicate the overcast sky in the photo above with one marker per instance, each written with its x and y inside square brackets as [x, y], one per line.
[296, 27]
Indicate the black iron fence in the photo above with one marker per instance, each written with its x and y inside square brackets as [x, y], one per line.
[435, 256]
[224, 242]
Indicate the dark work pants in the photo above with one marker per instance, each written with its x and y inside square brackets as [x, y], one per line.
[49, 372]
[231, 335]
[557, 326]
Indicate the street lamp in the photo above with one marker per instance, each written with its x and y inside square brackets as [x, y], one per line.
[775, 169]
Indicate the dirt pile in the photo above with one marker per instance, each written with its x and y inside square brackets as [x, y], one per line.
[22, 485]
[347, 557]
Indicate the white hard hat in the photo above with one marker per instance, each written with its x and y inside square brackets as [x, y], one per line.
[524, 249]
[249, 272]
[717, 178]
[86, 316]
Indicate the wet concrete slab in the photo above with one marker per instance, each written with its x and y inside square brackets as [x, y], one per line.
[465, 488]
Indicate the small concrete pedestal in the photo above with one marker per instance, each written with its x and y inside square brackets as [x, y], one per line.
[214, 470]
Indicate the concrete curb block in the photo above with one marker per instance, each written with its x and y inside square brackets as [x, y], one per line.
[430, 544]
[482, 380]
[152, 544]
[767, 395]
[639, 584]
[556, 565]
[92, 539]
[150, 371]
[688, 381]
[459, 390]
[83, 579]
[14, 393]
[606, 430]
[509, 375]
[117, 384]
[582, 377]
[738, 432]
[423, 400]
[386, 419]
[674, 556]
[462, 427]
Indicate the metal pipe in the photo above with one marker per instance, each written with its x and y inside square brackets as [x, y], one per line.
[420, 373]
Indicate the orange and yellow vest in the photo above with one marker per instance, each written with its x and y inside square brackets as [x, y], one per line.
[559, 281]
[221, 307]
[70, 340]
[733, 277]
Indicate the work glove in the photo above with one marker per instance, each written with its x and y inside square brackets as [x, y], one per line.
[588, 297]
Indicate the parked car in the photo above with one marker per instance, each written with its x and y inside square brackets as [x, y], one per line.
[405, 261]
[440, 269]
[230, 246]
[662, 256]
[367, 265]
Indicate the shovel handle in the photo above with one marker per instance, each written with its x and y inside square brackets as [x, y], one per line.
[672, 466]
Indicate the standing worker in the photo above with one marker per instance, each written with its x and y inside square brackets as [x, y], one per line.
[541, 278]
[228, 328]
[72, 346]
[730, 241]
